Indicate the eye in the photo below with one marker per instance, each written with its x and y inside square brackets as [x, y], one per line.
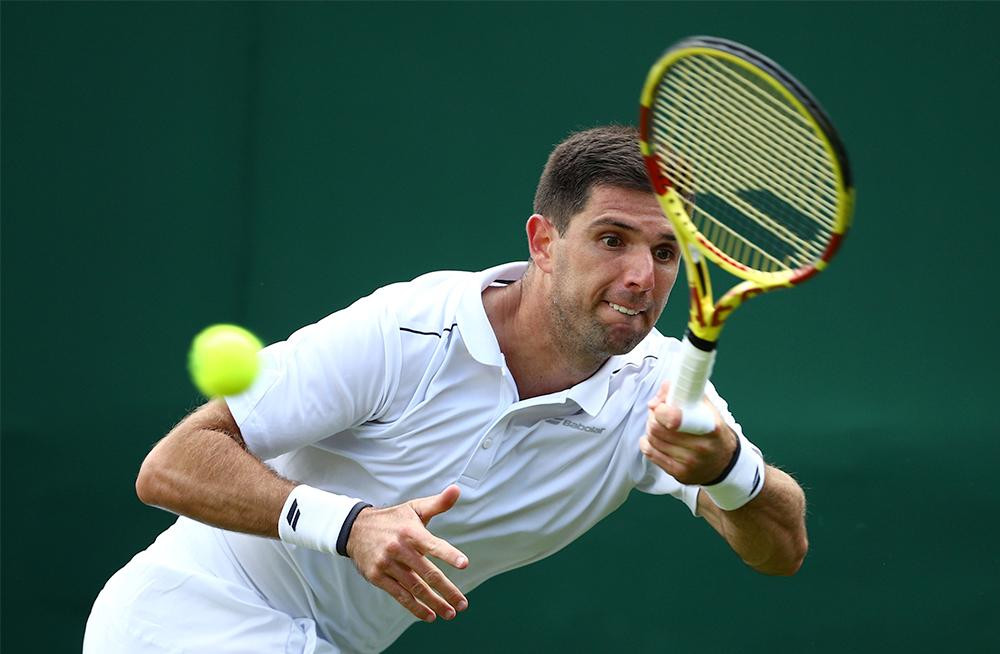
[664, 253]
[612, 241]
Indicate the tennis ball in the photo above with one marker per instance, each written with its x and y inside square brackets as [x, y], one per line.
[223, 360]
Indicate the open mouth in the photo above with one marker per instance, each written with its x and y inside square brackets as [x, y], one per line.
[625, 310]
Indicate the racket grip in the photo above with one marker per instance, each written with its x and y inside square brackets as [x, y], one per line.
[690, 374]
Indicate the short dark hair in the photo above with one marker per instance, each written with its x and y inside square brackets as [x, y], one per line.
[601, 155]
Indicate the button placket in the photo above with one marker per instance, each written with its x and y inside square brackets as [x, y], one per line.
[486, 450]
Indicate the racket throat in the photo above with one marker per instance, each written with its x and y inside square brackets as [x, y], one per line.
[699, 343]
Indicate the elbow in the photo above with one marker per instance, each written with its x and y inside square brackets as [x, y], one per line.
[789, 561]
[150, 483]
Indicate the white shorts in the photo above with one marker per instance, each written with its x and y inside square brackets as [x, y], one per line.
[194, 600]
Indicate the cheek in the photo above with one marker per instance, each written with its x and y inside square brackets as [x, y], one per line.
[667, 276]
[664, 282]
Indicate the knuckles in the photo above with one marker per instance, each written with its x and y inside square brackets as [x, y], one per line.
[382, 562]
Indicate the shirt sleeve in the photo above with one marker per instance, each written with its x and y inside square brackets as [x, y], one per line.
[327, 377]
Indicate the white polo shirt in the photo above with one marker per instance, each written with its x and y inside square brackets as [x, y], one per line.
[405, 392]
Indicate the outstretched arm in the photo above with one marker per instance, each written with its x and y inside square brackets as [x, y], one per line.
[769, 531]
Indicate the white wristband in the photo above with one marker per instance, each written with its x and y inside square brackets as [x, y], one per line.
[318, 520]
[743, 481]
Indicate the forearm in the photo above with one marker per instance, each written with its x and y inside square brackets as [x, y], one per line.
[202, 470]
[769, 532]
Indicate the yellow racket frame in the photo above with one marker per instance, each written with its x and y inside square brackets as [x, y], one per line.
[706, 319]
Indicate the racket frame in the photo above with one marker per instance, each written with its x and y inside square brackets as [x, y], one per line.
[707, 317]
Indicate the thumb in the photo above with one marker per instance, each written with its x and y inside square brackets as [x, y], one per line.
[697, 419]
[668, 416]
[428, 507]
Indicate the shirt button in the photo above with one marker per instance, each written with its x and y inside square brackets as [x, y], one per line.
[487, 442]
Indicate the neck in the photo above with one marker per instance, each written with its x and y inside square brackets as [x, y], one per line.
[540, 362]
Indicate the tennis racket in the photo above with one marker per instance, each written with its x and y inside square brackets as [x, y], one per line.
[752, 176]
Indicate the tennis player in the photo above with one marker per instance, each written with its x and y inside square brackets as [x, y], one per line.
[396, 454]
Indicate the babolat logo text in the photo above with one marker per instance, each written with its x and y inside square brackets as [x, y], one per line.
[575, 425]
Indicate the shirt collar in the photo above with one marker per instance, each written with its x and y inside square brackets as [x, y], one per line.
[592, 392]
[481, 340]
[477, 332]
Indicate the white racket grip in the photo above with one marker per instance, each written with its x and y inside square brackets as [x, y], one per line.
[687, 388]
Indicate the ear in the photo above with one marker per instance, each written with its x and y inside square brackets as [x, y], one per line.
[542, 236]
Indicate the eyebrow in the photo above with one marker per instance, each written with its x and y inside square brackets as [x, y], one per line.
[612, 222]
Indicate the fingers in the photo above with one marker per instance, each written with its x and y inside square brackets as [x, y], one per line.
[428, 507]
[404, 597]
[416, 560]
[692, 445]
[432, 587]
[391, 550]
[696, 420]
[664, 418]
[442, 549]
[423, 595]
[681, 453]
[668, 463]
[422, 589]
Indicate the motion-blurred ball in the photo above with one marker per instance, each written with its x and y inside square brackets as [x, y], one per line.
[223, 360]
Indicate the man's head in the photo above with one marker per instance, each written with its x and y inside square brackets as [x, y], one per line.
[606, 156]
[606, 255]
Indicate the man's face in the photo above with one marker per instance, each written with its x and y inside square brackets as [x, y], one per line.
[612, 272]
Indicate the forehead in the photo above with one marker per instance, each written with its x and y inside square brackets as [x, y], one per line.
[621, 203]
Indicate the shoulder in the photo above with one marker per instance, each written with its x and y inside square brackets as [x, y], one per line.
[427, 303]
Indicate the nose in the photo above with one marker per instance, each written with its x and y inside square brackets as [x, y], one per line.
[639, 269]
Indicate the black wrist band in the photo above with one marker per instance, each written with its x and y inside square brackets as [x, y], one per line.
[725, 472]
[345, 529]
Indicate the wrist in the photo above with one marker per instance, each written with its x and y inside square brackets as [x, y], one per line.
[741, 480]
[318, 520]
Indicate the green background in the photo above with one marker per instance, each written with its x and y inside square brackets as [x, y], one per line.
[168, 166]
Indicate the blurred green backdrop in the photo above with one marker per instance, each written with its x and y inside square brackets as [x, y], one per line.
[167, 166]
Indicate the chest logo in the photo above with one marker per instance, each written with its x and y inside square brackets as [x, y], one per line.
[574, 425]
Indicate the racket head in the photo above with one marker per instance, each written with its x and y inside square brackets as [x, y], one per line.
[746, 164]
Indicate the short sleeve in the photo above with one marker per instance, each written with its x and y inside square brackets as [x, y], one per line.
[327, 377]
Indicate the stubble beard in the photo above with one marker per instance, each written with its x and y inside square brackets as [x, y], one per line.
[581, 335]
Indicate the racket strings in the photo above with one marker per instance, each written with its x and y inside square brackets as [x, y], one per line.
[736, 128]
[766, 190]
[767, 101]
[717, 163]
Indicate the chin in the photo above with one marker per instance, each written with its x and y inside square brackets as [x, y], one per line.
[624, 343]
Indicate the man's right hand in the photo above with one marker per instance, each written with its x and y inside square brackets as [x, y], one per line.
[390, 548]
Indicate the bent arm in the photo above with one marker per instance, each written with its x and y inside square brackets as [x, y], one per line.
[769, 532]
[202, 470]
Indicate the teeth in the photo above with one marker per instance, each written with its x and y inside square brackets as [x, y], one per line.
[620, 309]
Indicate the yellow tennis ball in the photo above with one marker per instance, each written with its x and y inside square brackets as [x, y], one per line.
[223, 360]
